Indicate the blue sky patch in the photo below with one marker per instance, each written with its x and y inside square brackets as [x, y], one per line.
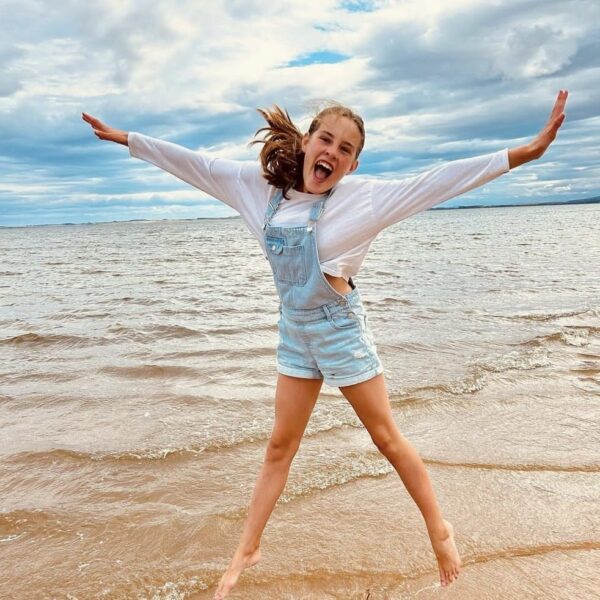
[320, 57]
[358, 5]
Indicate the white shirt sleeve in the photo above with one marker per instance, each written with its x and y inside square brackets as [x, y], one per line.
[238, 184]
[395, 200]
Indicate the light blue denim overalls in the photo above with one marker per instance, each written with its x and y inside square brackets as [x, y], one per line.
[322, 333]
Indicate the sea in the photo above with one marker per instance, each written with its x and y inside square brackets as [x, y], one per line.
[137, 381]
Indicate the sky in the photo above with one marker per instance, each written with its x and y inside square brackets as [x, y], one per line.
[434, 81]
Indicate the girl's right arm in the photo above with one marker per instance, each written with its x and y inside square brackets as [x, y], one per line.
[236, 183]
[104, 132]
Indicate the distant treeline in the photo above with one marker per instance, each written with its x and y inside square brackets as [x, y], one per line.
[595, 200]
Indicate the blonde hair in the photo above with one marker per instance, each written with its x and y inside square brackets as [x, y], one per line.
[281, 156]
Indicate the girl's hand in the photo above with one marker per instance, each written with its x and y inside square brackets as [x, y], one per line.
[104, 132]
[537, 147]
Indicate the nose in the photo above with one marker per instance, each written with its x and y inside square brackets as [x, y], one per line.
[331, 152]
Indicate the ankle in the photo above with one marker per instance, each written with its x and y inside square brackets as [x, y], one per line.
[247, 551]
[438, 530]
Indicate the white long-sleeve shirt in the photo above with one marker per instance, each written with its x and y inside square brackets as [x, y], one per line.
[356, 211]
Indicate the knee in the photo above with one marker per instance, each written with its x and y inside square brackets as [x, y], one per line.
[281, 450]
[387, 441]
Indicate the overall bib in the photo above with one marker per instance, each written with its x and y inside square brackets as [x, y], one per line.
[322, 333]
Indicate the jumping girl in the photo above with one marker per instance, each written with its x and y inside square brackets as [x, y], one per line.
[315, 230]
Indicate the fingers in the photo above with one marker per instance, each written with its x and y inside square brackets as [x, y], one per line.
[559, 104]
[558, 122]
[95, 123]
[562, 97]
[88, 118]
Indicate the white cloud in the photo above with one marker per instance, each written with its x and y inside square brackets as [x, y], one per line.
[433, 80]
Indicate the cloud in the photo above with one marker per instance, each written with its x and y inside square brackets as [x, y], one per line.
[434, 81]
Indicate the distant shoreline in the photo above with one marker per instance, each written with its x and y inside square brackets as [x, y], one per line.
[595, 200]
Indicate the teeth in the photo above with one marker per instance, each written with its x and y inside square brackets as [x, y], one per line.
[324, 165]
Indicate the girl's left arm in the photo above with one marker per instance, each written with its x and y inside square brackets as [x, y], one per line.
[395, 200]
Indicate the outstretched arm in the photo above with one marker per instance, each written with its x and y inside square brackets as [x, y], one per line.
[216, 177]
[239, 184]
[104, 132]
[393, 201]
[539, 145]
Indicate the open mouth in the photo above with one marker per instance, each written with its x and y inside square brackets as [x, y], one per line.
[322, 170]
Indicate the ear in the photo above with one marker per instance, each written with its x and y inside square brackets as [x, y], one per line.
[353, 167]
[305, 141]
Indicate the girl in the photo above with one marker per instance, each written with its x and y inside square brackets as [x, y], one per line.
[315, 230]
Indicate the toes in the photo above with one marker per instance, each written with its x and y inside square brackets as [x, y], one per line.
[447, 577]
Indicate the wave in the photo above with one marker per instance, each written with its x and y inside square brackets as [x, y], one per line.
[389, 300]
[228, 353]
[152, 371]
[550, 316]
[533, 550]
[41, 376]
[520, 360]
[573, 335]
[158, 331]
[51, 339]
[354, 467]
[237, 330]
[132, 300]
[77, 315]
[590, 468]
[172, 453]
[179, 331]
[476, 378]
[92, 271]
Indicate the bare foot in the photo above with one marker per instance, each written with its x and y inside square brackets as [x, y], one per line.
[447, 555]
[230, 577]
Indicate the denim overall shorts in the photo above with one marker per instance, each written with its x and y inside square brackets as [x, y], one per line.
[322, 334]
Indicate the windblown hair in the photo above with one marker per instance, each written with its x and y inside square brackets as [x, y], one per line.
[281, 157]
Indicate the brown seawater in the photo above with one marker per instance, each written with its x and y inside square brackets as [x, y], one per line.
[137, 379]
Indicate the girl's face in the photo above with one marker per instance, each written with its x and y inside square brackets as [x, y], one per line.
[329, 153]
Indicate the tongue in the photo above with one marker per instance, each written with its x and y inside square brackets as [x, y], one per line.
[320, 173]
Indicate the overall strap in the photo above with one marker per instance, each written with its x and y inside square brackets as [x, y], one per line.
[317, 209]
[272, 208]
[315, 212]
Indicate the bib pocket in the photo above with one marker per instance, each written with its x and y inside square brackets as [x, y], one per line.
[288, 262]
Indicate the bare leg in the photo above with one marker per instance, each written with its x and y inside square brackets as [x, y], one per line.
[295, 399]
[371, 403]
